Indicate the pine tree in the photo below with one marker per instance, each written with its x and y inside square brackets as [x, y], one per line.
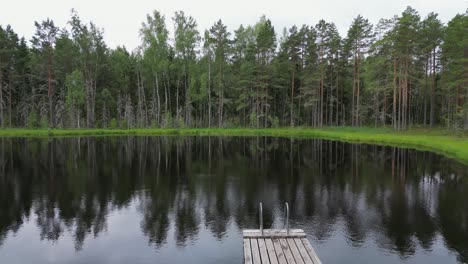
[155, 48]
[219, 39]
[44, 41]
[187, 40]
[358, 41]
[455, 70]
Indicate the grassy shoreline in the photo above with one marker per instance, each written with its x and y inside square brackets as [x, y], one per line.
[453, 145]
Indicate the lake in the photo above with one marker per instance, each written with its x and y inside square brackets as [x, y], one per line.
[187, 199]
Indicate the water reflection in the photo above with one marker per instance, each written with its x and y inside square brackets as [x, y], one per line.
[398, 199]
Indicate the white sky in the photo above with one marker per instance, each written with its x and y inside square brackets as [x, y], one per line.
[122, 20]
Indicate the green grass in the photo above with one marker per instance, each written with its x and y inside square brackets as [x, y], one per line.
[450, 144]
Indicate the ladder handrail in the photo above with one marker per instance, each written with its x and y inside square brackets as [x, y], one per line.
[286, 217]
[261, 217]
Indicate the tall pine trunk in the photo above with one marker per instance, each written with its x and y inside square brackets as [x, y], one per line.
[10, 98]
[337, 99]
[209, 94]
[353, 105]
[158, 114]
[425, 91]
[90, 102]
[50, 91]
[431, 122]
[177, 101]
[188, 106]
[292, 101]
[358, 91]
[394, 116]
[165, 94]
[1, 94]
[321, 99]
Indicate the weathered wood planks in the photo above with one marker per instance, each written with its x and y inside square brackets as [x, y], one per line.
[278, 247]
[255, 233]
[247, 252]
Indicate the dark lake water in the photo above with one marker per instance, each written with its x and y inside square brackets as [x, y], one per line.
[186, 200]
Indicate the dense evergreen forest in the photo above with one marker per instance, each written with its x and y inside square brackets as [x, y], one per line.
[404, 71]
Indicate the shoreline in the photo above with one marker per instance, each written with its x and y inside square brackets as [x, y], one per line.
[447, 143]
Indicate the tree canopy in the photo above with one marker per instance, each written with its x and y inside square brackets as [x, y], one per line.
[404, 71]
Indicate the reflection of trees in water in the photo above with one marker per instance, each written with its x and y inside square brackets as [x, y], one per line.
[453, 218]
[386, 194]
[400, 198]
[60, 184]
[15, 196]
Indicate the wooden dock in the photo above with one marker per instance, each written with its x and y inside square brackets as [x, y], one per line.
[278, 247]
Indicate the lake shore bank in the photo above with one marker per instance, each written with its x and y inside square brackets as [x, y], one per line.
[447, 143]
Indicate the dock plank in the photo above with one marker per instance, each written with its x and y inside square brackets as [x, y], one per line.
[287, 251]
[247, 252]
[278, 247]
[271, 251]
[279, 252]
[255, 251]
[295, 252]
[255, 233]
[263, 251]
[303, 251]
[311, 251]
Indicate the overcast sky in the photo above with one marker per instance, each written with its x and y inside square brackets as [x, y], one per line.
[121, 20]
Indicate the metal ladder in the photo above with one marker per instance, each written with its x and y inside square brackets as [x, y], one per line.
[286, 217]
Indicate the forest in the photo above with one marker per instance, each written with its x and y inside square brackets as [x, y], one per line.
[405, 71]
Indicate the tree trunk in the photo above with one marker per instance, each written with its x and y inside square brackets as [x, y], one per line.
[265, 118]
[406, 95]
[384, 110]
[353, 106]
[399, 100]
[220, 109]
[376, 108]
[330, 103]
[188, 104]
[158, 114]
[425, 91]
[165, 96]
[168, 87]
[90, 103]
[394, 117]
[221, 106]
[10, 101]
[177, 102]
[221, 86]
[145, 105]
[431, 121]
[139, 114]
[209, 95]
[292, 101]
[1, 94]
[50, 91]
[321, 99]
[358, 91]
[337, 101]
[78, 117]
